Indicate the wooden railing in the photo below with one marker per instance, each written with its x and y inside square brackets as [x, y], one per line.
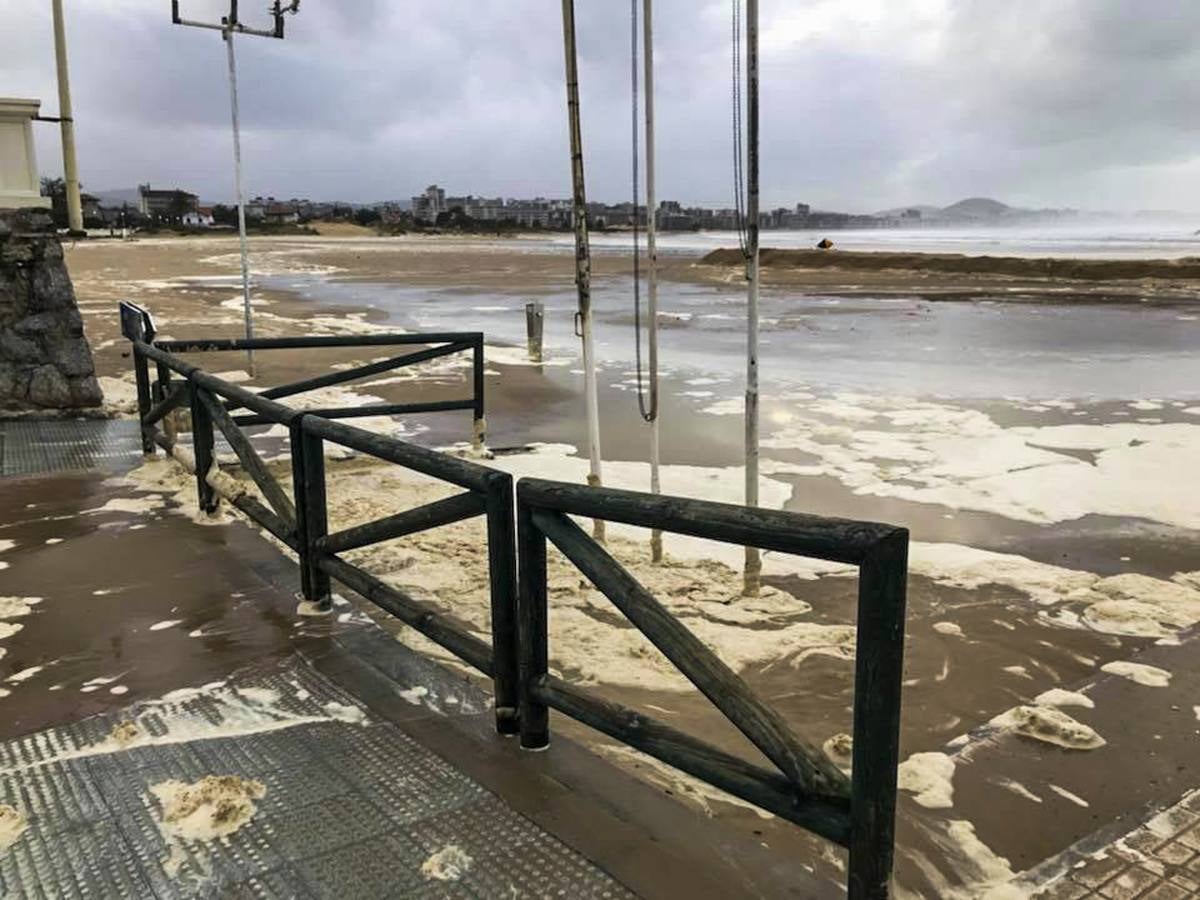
[805, 787]
[299, 517]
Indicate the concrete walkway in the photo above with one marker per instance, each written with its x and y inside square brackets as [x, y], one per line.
[154, 653]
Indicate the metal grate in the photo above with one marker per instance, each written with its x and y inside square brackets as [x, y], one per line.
[350, 810]
[30, 447]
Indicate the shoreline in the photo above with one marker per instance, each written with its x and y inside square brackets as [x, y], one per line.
[519, 265]
[1054, 268]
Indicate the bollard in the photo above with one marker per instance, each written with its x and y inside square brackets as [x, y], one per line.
[535, 313]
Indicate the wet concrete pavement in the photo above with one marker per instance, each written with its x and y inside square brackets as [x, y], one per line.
[108, 580]
[133, 602]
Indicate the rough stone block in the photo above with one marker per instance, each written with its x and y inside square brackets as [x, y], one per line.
[86, 392]
[49, 388]
[45, 360]
[73, 358]
[17, 349]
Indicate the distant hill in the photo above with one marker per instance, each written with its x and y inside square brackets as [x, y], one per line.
[979, 208]
[980, 211]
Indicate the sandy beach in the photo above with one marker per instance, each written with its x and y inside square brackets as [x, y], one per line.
[1027, 433]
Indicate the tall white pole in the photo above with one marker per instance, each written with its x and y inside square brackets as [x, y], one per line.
[583, 259]
[753, 571]
[241, 194]
[656, 550]
[66, 122]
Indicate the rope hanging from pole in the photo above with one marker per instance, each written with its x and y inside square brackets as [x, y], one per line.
[649, 411]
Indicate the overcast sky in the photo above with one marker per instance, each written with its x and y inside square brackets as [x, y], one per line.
[866, 104]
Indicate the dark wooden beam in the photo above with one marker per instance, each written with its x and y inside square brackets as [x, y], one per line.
[424, 618]
[458, 471]
[422, 518]
[754, 784]
[352, 412]
[837, 540]
[807, 767]
[250, 459]
[878, 671]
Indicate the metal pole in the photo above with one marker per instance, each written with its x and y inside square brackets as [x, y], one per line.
[67, 123]
[241, 194]
[583, 260]
[753, 570]
[656, 550]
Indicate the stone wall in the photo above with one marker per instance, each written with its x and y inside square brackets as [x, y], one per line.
[45, 360]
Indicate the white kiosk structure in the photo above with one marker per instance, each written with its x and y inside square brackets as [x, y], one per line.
[19, 185]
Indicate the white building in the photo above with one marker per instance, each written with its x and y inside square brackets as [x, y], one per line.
[19, 185]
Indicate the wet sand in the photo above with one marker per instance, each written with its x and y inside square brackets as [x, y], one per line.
[1011, 644]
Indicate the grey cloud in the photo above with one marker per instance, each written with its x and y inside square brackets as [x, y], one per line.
[1077, 102]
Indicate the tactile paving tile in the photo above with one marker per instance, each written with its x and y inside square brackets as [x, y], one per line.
[352, 809]
[30, 447]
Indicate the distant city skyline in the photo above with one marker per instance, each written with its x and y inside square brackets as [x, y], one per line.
[866, 106]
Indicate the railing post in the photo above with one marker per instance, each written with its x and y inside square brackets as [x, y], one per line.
[502, 572]
[141, 371]
[164, 390]
[879, 668]
[535, 318]
[479, 433]
[532, 626]
[308, 483]
[202, 446]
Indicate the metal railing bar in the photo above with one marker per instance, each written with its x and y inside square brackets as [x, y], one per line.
[431, 515]
[435, 626]
[835, 540]
[762, 787]
[462, 472]
[805, 766]
[385, 409]
[250, 459]
[311, 341]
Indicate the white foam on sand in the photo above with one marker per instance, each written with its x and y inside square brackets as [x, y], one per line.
[979, 873]
[1067, 795]
[929, 452]
[1129, 604]
[1149, 676]
[13, 823]
[8, 629]
[24, 675]
[1059, 697]
[1050, 726]
[6, 544]
[1017, 788]
[126, 505]
[448, 864]
[213, 807]
[120, 395]
[949, 628]
[165, 624]
[929, 776]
